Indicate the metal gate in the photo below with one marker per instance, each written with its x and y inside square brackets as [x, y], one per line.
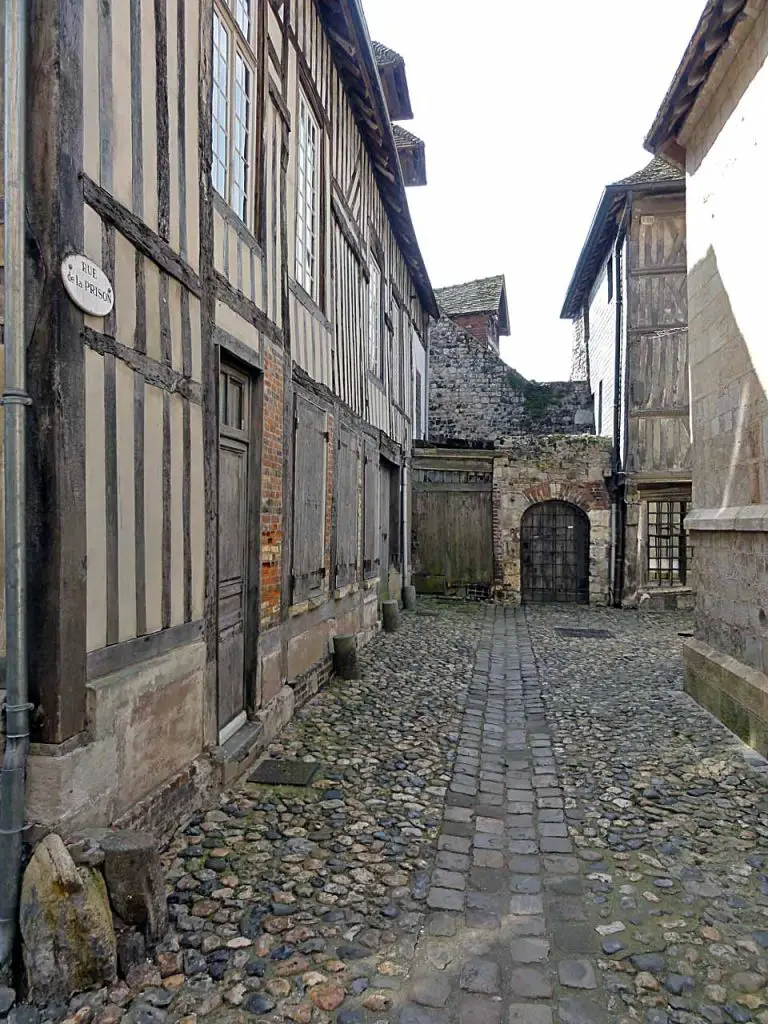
[555, 553]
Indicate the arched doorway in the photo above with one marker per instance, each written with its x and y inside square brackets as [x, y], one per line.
[554, 555]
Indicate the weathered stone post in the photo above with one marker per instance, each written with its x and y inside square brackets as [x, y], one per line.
[390, 616]
[345, 657]
[409, 598]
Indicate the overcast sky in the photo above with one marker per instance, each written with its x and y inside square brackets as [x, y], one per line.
[527, 111]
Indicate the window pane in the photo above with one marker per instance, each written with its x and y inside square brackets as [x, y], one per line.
[374, 319]
[307, 188]
[235, 410]
[240, 142]
[243, 17]
[223, 398]
[220, 106]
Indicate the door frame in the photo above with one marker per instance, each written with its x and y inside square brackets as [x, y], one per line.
[232, 352]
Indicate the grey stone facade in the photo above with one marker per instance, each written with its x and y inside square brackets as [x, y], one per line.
[475, 396]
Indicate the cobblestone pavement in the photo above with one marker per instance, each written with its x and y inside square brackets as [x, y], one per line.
[510, 826]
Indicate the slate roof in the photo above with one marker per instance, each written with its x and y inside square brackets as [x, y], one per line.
[405, 139]
[658, 169]
[386, 55]
[486, 295]
[711, 35]
[657, 176]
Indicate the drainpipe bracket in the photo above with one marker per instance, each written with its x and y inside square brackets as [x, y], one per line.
[13, 396]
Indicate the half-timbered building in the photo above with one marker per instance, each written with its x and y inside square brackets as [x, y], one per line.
[627, 300]
[219, 467]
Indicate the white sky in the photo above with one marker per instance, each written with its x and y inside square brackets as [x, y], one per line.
[527, 110]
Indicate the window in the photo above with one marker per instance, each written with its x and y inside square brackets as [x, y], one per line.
[600, 408]
[234, 74]
[307, 199]
[417, 433]
[609, 277]
[404, 360]
[374, 319]
[397, 348]
[667, 554]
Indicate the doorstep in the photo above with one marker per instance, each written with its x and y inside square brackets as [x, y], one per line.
[239, 752]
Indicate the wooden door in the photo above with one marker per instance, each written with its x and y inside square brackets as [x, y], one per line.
[554, 556]
[384, 538]
[234, 459]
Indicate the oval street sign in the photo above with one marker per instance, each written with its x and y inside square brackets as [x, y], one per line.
[87, 285]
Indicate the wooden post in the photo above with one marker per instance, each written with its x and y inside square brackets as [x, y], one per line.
[390, 616]
[409, 598]
[345, 663]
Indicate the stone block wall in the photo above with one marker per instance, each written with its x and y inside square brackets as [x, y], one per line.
[536, 469]
[475, 396]
[727, 161]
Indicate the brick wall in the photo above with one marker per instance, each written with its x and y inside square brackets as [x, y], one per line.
[272, 455]
[727, 165]
[481, 326]
[475, 396]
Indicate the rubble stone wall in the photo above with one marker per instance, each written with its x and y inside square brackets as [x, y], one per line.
[475, 396]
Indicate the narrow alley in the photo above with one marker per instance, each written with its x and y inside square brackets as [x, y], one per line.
[516, 817]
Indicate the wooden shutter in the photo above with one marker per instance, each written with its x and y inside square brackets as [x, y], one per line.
[371, 549]
[347, 508]
[309, 471]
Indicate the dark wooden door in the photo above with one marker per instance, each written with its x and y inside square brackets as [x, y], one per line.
[384, 527]
[555, 553]
[234, 452]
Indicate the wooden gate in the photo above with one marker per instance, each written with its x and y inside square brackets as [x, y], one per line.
[452, 533]
[554, 556]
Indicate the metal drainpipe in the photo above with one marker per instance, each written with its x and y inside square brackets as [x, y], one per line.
[617, 498]
[15, 398]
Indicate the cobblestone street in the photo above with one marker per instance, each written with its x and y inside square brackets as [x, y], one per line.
[509, 825]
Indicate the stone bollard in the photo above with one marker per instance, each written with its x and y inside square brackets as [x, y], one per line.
[345, 657]
[409, 598]
[390, 616]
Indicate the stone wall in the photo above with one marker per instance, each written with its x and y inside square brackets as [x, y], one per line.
[475, 396]
[727, 162]
[525, 471]
[579, 355]
[536, 469]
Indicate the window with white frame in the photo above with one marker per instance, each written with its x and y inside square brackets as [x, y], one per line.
[405, 360]
[234, 77]
[307, 200]
[397, 347]
[374, 319]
